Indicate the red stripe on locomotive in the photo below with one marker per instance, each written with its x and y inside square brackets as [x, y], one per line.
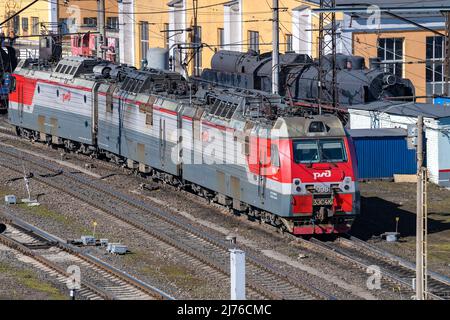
[25, 90]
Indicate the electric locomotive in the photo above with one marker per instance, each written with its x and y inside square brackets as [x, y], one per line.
[244, 149]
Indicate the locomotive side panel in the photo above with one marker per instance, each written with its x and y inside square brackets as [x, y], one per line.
[52, 108]
[166, 129]
[222, 167]
[126, 131]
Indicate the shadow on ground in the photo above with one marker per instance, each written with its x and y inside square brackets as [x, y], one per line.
[378, 216]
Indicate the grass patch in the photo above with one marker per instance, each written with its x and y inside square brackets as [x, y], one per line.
[162, 269]
[44, 212]
[440, 251]
[177, 273]
[27, 279]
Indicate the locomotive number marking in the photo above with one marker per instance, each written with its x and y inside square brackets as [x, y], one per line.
[322, 202]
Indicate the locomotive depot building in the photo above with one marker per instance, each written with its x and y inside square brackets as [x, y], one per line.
[383, 115]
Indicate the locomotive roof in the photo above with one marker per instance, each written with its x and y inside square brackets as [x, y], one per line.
[300, 127]
[71, 67]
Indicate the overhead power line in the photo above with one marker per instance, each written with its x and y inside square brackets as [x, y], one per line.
[150, 12]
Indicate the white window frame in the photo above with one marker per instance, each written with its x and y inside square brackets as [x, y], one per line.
[435, 63]
[386, 63]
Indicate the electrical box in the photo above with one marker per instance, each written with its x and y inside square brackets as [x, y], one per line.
[10, 199]
[117, 248]
[412, 137]
[88, 240]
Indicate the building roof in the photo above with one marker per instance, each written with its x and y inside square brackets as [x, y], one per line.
[409, 109]
[373, 133]
[394, 3]
[301, 8]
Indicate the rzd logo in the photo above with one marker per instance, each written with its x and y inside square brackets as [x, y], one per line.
[67, 96]
[325, 174]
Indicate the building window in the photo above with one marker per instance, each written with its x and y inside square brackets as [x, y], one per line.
[144, 36]
[90, 22]
[390, 52]
[435, 65]
[198, 54]
[221, 38]
[289, 45]
[34, 25]
[64, 25]
[112, 23]
[25, 24]
[253, 40]
[16, 24]
[166, 36]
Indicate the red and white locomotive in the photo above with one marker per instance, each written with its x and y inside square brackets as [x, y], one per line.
[246, 150]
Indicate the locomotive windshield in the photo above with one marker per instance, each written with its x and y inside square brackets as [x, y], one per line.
[320, 150]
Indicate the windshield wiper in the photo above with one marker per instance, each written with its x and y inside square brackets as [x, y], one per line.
[327, 160]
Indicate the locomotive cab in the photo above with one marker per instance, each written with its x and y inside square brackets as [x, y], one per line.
[319, 166]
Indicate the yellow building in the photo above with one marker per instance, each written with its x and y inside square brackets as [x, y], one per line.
[28, 22]
[140, 25]
[66, 16]
[237, 25]
[402, 47]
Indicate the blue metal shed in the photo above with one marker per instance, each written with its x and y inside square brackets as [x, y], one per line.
[381, 153]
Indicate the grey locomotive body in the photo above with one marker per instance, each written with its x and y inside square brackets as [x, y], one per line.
[244, 149]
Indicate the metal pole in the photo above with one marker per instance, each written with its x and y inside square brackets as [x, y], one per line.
[327, 90]
[276, 48]
[72, 294]
[419, 218]
[194, 39]
[237, 274]
[101, 40]
[447, 55]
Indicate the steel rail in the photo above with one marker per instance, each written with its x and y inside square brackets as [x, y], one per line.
[49, 264]
[333, 250]
[103, 189]
[39, 234]
[122, 275]
[435, 279]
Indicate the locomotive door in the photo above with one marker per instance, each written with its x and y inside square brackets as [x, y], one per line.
[20, 100]
[196, 146]
[262, 141]
[162, 141]
[179, 146]
[95, 113]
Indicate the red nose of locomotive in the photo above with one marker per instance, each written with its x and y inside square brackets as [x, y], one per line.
[324, 191]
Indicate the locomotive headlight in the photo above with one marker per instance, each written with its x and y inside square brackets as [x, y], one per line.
[346, 184]
[297, 186]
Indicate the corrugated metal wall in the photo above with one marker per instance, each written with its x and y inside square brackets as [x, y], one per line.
[382, 157]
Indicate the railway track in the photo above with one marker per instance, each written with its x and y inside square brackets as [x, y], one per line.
[264, 280]
[99, 280]
[395, 270]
